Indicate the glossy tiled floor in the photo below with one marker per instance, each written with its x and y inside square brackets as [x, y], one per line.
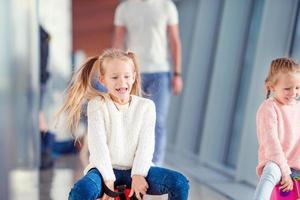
[55, 183]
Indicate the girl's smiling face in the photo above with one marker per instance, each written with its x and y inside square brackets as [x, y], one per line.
[287, 87]
[118, 79]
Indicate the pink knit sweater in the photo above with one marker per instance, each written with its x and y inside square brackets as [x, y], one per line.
[278, 133]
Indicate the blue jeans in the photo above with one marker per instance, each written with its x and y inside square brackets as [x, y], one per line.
[160, 181]
[157, 87]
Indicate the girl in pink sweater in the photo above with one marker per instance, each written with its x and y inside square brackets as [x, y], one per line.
[278, 129]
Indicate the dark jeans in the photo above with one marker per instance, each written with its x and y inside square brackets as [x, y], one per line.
[160, 181]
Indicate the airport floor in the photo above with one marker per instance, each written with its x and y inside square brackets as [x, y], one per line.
[55, 183]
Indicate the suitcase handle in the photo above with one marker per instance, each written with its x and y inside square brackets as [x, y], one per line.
[109, 192]
[120, 193]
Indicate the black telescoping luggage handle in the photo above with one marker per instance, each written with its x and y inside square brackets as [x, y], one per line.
[109, 192]
[120, 193]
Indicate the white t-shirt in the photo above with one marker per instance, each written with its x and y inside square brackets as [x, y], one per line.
[121, 139]
[146, 24]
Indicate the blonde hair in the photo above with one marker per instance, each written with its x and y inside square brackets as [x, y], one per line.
[81, 88]
[279, 66]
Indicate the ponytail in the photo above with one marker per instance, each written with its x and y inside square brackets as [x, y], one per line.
[267, 86]
[79, 90]
[268, 94]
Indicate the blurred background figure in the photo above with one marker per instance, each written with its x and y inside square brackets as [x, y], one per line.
[226, 50]
[150, 29]
[46, 159]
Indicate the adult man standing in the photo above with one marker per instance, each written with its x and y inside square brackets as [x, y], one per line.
[150, 29]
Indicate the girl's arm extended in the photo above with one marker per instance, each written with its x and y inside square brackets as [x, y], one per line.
[267, 132]
[97, 141]
[144, 153]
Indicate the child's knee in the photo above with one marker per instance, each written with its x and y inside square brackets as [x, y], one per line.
[75, 194]
[181, 183]
[84, 190]
[271, 172]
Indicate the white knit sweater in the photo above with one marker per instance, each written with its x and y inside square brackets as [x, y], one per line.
[120, 139]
